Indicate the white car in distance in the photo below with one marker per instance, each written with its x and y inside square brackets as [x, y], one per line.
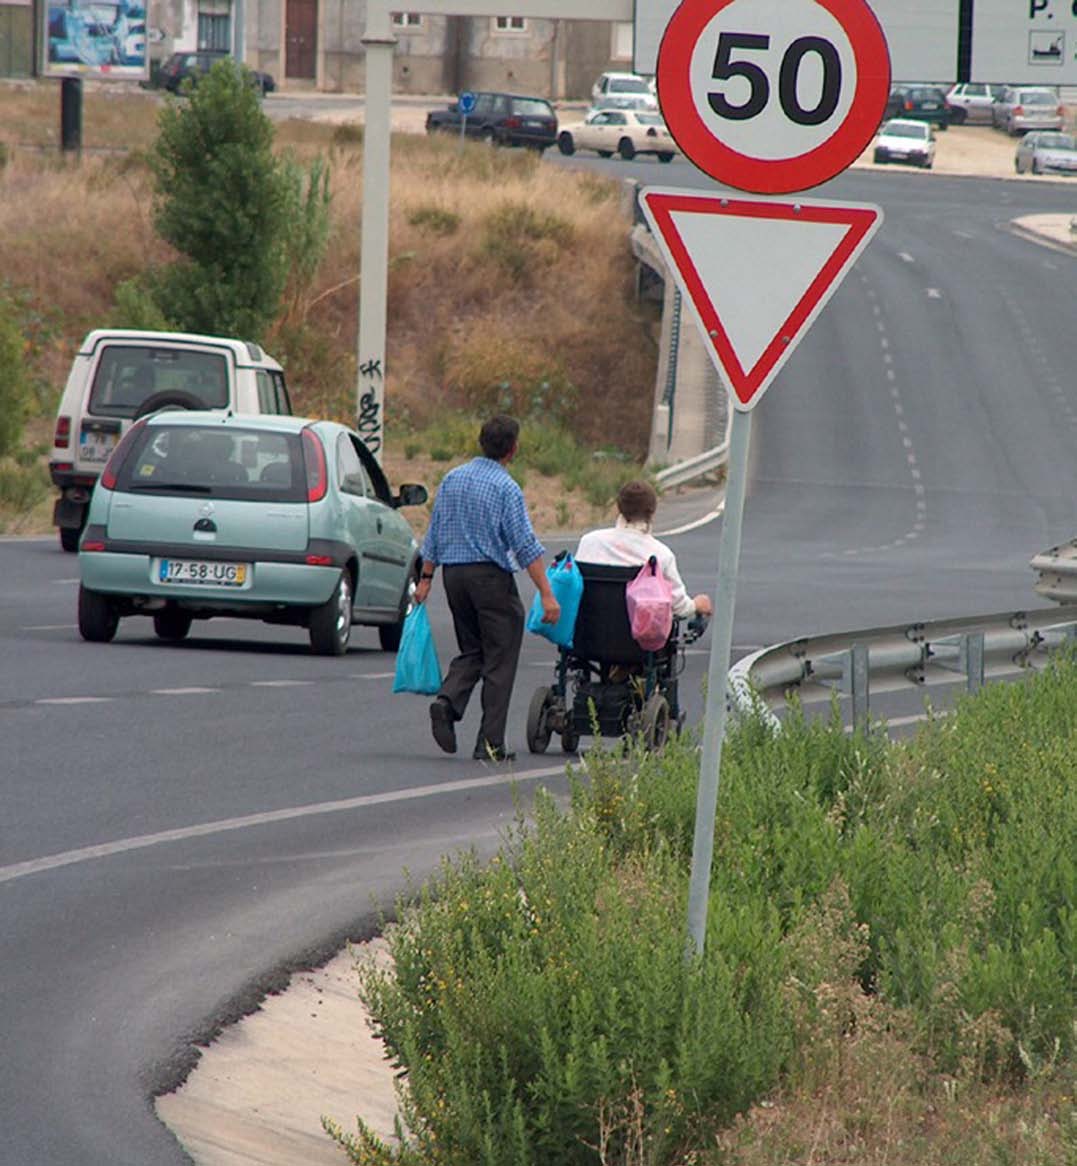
[905, 140]
[626, 132]
[623, 91]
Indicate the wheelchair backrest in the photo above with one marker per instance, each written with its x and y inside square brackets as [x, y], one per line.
[603, 632]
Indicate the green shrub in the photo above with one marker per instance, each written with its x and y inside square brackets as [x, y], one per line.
[14, 381]
[22, 487]
[435, 219]
[245, 220]
[544, 1001]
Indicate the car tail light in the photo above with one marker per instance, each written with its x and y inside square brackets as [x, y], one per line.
[314, 456]
[908, 104]
[62, 467]
[319, 560]
[513, 123]
[119, 455]
[92, 545]
[1018, 111]
[62, 438]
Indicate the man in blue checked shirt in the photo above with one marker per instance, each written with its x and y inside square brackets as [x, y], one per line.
[480, 535]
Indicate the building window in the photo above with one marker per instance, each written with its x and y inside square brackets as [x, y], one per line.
[214, 30]
[407, 19]
[621, 38]
[510, 24]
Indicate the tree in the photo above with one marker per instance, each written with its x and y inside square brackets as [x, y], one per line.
[229, 206]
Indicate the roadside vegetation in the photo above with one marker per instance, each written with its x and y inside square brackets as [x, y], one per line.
[511, 286]
[889, 977]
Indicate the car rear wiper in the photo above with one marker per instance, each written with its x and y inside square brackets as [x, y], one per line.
[181, 487]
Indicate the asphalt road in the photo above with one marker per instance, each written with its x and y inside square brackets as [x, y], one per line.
[182, 824]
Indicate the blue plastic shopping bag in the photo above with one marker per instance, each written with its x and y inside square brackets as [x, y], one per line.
[566, 583]
[417, 667]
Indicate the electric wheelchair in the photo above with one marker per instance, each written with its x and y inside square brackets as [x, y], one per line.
[606, 681]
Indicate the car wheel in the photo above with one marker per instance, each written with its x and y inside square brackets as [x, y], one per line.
[626, 149]
[98, 616]
[169, 399]
[665, 157]
[565, 144]
[570, 741]
[171, 623]
[538, 725]
[880, 158]
[69, 537]
[330, 625]
[389, 634]
[959, 116]
[487, 136]
[1036, 167]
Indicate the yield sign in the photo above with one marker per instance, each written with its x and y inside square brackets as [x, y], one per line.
[756, 271]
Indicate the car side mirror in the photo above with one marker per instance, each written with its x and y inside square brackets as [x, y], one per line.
[411, 494]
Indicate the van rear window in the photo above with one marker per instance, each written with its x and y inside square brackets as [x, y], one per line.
[216, 462]
[129, 375]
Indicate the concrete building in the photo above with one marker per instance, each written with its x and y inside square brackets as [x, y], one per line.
[317, 44]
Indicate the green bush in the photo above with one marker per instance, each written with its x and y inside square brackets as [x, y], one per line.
[245, 221]
[14, 380]
[544, 1001]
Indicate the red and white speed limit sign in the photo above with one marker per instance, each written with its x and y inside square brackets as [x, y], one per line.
[773, 96]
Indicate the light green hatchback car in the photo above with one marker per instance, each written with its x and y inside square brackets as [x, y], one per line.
[279, 519]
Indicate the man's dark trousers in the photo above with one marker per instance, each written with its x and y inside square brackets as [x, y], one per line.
[488, 617]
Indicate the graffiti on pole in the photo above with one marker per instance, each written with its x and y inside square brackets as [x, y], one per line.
[369, 419]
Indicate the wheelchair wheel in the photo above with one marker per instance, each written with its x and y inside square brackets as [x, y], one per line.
[538, 727]
[570, 741]
[654, 722]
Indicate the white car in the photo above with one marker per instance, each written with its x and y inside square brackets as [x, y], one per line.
[623, 91]
[905, 140]
[626, 132]
[973, 101]
[1047, 152]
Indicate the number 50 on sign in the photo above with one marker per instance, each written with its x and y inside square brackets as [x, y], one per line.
[773, 96]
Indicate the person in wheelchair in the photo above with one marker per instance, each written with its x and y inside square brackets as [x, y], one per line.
[630, 543]
[605, 683]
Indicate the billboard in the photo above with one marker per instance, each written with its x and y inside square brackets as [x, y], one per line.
[94, 38]
[1031, 43]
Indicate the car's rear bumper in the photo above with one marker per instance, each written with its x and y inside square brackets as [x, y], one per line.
[269, 584]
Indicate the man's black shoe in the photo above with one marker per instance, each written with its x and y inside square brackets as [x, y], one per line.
[441, 725]
[485, 752]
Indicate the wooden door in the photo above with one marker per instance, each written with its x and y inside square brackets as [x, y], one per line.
[301, 34]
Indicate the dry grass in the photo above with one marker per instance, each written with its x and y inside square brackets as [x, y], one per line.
[511, 283]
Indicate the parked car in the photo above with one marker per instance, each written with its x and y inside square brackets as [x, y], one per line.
[121, 374]
[623, 91]
[622, 131]
[903, 140]
[279, 519]
[925, 103]
[1046, 152]
[1027, 107]
[180, 66]
[972, 102]
[504, 119]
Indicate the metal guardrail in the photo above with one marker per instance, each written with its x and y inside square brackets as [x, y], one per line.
[694, 467]
[978, 648]
[1058, 573]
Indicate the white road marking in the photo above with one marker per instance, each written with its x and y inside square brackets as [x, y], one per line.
[31, 866]
[372, 675]
[933, 293]
[715, 513]
[62, 581]
[49, 627]
[906, 256]
[74, 700]
[280, 683]
[192, 691]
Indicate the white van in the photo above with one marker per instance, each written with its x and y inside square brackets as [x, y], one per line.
[119, 375]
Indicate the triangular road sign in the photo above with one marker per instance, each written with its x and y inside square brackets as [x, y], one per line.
[756, 271]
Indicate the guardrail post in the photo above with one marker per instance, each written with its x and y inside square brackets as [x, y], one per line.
[859, 682]
[972, 659]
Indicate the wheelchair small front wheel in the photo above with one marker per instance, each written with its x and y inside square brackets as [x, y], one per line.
[570, 741]
[538, 724]
[655, 721]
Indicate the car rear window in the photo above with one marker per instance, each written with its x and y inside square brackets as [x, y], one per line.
[128, 375]
[628, 85]
[532, 106]
[649, 119]
[904, 130]
[1034, 97]
[215, 462]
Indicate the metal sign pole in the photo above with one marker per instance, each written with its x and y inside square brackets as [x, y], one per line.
[463, 128]
[714, 721]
